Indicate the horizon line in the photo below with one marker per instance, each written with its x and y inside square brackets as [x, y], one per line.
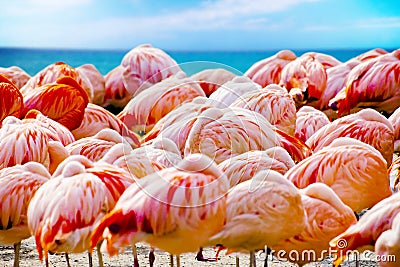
[196, 50]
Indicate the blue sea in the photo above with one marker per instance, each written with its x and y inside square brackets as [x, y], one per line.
[34, 60]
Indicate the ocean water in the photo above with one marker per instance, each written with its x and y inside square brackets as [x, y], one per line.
[34, 60]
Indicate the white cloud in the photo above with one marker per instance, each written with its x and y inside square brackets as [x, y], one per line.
[216, 15]
[208, 16]
[367, 23]
[22, 8]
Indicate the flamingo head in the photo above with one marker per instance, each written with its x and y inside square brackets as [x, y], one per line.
[117, 230]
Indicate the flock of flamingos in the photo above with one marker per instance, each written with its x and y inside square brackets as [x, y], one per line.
[284, 156]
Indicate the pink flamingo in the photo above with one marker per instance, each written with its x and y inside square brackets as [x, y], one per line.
[94, 147]
[167, 209]
[327, 216]
[16, 75]
[25, 142]
[153, 103]
[97, 118]
[63, 213]
[55, 131]
[387, 247]
[366, 125]
[224, 133]
[339, 166]
[244, 166]
[394, 119]
[176, 124]
[144, 66]
[96, 80]
[308, 121]
[307, 75]
[365, 233]
[261, 212]
[18, 184]
[336, 80]
[370, 54]
[12, 102]
[147, 159]
[228, 92]
[274, 103]
[211, 79]
[373, 84]
[268, 71]
[394, 172]
[64, 101]
[116, 95]
[52, 73]
[337, 77]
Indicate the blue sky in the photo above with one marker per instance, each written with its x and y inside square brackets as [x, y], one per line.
[201, 25]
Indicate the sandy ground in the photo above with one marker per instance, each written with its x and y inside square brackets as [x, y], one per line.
[29, 258]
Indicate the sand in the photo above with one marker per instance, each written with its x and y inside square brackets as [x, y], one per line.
[29, 258]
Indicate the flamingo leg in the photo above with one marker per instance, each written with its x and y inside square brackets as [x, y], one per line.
[67, 259]
[46, 262]
[266, 256]
[357, 261]
[200, 256]
[135, 256]
[90, 259]
[17, 247]
[237, 261]
[99, 255]
[252, 259]
[152, 257]
[178, 261]
[171, 260]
